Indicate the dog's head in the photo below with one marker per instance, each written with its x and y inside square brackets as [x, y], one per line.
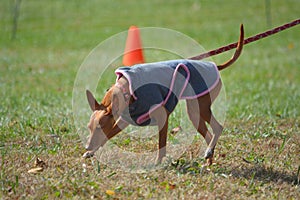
[102, 120]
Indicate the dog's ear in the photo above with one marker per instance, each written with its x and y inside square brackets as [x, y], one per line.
[92, 101]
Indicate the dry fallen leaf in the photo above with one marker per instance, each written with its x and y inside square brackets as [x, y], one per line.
[172, 186]
[110, 192]
[35, 170]
[39, 166]
[176, 130]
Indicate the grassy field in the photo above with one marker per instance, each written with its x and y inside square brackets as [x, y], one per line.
[257, 156]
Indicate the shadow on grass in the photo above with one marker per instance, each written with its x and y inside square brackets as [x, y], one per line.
[260, 173]
[250, 172]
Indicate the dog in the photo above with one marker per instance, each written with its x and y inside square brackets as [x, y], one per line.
[123, 100]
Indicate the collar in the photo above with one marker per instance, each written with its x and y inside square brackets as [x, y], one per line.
[126, 94]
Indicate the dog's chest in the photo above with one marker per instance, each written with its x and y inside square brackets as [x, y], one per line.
[163, 84]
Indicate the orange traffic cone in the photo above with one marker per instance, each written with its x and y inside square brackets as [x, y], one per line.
[133, 50]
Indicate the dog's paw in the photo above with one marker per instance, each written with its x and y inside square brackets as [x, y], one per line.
[88, 154]
[160, 161]
[209, 153]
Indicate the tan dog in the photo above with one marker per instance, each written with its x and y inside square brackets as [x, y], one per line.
[106, 121]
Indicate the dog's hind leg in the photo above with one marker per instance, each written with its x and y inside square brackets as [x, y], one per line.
[199, 124]
[217, 128]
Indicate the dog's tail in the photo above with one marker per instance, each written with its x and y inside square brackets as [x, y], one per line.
[237, 52]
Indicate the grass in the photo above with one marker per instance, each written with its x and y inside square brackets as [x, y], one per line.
[257, 156]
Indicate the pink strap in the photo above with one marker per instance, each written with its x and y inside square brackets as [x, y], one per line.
[146, 116]
[173, 82]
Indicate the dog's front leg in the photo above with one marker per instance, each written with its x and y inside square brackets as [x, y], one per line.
[161, 116]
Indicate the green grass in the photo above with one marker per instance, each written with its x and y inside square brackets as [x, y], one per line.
[257, 156]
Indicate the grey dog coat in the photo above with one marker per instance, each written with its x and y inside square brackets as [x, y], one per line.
[163, 83]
